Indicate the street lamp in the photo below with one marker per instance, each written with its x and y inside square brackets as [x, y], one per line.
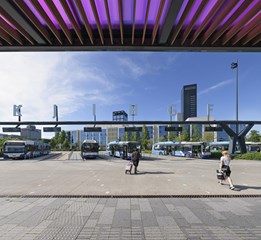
[233, 66]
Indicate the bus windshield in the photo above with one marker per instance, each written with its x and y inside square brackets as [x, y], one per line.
[90, 147]
[13, 149]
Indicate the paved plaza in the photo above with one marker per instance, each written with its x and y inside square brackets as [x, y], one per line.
[63, 197]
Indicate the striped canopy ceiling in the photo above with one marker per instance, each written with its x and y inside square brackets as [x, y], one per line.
[165, 25]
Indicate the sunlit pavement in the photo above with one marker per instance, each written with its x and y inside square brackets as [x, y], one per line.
[63, 197]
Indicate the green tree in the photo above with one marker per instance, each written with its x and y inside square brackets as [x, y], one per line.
[62, 137]
[145, 140]
[55, 140]
[135, 136]
[66, 145]
[254, 136]
[196, 135]
[184, 136]
[126, 136]
[208, 137]
[171, 136]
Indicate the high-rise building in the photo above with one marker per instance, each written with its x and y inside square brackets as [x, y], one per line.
[119, 116]
[189, 101]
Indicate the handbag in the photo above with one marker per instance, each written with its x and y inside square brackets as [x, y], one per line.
[221, 175]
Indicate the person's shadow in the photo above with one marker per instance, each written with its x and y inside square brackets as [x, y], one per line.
[244, 187]
[156, 172]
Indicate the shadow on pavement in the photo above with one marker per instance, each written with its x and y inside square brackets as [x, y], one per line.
[243, 187]
[157, 172]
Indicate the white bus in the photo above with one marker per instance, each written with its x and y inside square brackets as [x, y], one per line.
[18, 149]
[122, 149]
[89, 149]
[181, 149]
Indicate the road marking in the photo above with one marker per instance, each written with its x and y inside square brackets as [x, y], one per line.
[184, 184]
[102, 185]
[169, 180]
[107, 192]
[39, 185]
[98, 180]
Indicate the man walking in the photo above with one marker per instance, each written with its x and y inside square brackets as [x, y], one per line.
[135, 158]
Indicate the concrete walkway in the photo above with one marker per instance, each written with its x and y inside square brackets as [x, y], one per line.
[63, 197]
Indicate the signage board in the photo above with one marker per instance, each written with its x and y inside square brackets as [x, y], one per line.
[133, 129]
[173, 129]
[52, 129]
[92, 129]
[12, 129]
[213, 129]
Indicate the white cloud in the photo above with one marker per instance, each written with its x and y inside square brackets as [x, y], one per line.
[39, 80]
[214, 87]
[135, 70]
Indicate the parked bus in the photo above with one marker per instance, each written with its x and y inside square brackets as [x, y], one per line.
[218, 146]
[17, 149]
[89, 149]
[181, 149]
[111, 147]
[122, 149]
[224, 146]
[253, 146]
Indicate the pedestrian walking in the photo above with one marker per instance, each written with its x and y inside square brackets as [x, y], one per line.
[224, 166]
[135, 158]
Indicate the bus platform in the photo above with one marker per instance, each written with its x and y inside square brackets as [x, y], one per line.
[64, 197]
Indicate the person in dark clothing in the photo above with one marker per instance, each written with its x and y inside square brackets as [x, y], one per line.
[135, 158]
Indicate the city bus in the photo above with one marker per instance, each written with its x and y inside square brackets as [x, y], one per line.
[217, 146]
[18, 149]
[122, 149]
[89, 149]
[181, 149]
[224, 146]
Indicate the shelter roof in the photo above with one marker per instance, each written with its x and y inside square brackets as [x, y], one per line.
[164, 25]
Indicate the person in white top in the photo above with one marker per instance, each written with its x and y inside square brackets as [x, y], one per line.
[224, 166]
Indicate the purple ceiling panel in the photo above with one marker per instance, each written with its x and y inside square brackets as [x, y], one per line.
[255, 17]
[35, 12]
[114, 13]
[101, 12]
[184, 4]
[11, 25]
[165, 11]
[231, 13]
[140, 14]
[128, 11]
[49, 13]
[191, 12]
[62, 13]
[246, 11]
[205, 12]
[153, 11]
[89, 13]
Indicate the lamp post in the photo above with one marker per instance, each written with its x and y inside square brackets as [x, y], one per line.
[233, 66]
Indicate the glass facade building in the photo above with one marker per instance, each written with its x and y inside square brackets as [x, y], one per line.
[189, 101]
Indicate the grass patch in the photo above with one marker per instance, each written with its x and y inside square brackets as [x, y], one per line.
[249, 156]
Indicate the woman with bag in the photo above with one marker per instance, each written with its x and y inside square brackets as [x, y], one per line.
[224, 166]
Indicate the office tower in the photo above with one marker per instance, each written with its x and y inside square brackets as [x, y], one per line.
[189, 101]
[119, 116]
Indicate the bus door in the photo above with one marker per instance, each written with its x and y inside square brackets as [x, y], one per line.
[124, 152]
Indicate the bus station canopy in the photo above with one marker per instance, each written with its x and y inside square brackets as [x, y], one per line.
[132, 25]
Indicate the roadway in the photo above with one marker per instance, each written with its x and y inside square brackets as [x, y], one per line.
[60, 196]
[67, 174]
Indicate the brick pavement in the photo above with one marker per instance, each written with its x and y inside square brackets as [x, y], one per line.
[130, 218]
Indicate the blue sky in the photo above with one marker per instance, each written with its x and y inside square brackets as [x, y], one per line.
[115, 80]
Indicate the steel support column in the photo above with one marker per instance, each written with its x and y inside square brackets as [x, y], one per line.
[234, 137]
